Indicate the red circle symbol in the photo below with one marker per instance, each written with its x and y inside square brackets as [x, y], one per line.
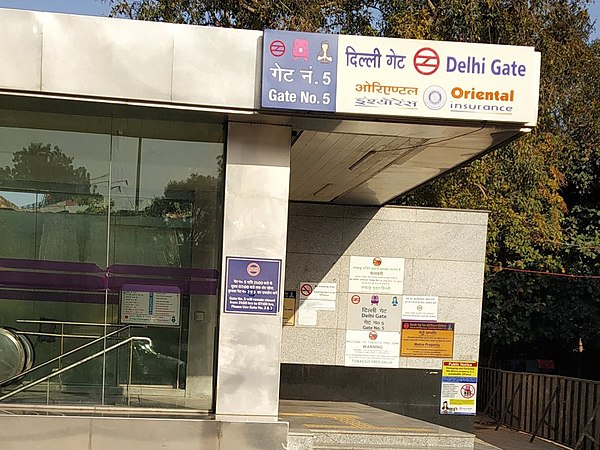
[376, 262]
[467, 391]
[306, 289]
[277, 48]
[373, 335]
[426, 61]
[253, 269]
[355, 299]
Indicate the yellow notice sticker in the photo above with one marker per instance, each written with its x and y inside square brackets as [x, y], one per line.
[427, 339]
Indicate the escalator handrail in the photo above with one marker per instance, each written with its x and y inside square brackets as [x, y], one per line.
[70, 352]
[76, 364]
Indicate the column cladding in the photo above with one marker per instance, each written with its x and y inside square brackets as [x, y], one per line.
[257, 173]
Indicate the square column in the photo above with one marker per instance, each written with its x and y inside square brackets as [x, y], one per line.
[257, 177]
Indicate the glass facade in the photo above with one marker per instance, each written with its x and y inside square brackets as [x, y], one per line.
[109, 258]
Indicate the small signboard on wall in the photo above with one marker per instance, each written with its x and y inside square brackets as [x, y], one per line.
[376, 275]
[427, 339]
[419, 308]
[459, 388]
[150, 305]
[366, 348]
[289, 308]
[252, 285]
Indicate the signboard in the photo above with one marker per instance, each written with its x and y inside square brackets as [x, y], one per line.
[299, 71]
[320, 295]
[150, 305]
[289, 308]
[373, 312]
[307, 315]
[419, 308]
[459, 388]
[376, 275]
[372, 349]
[252, 285]
[399, 77]
[427, 339]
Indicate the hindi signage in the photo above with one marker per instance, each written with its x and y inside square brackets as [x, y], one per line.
[419, 307]
[373, 312]
[376, 275]
[400, 77]
[299, 71]
[372, 349]
[427, 339]
[252, 285]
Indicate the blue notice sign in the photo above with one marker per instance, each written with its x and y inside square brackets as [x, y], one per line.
[299, 71]
[252, 285]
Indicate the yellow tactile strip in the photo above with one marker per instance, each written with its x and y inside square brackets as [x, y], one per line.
[351, 422]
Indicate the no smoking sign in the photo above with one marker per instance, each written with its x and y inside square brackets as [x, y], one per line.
[306, 289]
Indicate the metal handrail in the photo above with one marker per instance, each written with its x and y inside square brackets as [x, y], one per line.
[70, 352]
[76, 364]
[60, 322]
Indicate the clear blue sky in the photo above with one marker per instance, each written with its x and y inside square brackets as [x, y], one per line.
[88, 7]
[101, 8]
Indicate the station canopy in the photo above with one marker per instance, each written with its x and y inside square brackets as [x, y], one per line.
[371, 118]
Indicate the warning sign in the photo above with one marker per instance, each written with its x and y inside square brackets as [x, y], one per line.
[459, 388]
[427, 339]
[372, 349]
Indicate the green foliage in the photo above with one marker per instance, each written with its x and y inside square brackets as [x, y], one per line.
[45, 168]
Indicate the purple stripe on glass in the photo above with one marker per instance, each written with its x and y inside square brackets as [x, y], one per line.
[36, 274]
[59, 297]
[51, 281]
[62, 266]
[179, 272]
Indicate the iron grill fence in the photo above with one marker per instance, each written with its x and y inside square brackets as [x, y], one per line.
[558, 408]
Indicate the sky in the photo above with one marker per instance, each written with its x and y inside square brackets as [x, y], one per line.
[102, 7]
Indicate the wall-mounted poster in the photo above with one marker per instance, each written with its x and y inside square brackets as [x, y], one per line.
[252, 285]
[376, 275]
[459, 388]
[427, 339]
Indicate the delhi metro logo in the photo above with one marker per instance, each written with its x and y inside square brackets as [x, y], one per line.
[253, 269]
[426, 61]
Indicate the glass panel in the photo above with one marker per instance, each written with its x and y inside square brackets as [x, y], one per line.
[164, 233]
[53, 214]
[112, 227]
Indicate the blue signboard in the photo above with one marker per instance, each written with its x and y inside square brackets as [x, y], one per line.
[299, 71]
[252, 285]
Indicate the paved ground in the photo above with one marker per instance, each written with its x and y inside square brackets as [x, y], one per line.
[506, 439]
[340, 419]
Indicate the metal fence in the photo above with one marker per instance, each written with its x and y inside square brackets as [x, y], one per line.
[564, 410]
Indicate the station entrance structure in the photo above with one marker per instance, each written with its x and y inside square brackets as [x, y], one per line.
[194, 222]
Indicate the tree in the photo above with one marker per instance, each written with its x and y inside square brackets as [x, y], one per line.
[45, 168]
[194, 199]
